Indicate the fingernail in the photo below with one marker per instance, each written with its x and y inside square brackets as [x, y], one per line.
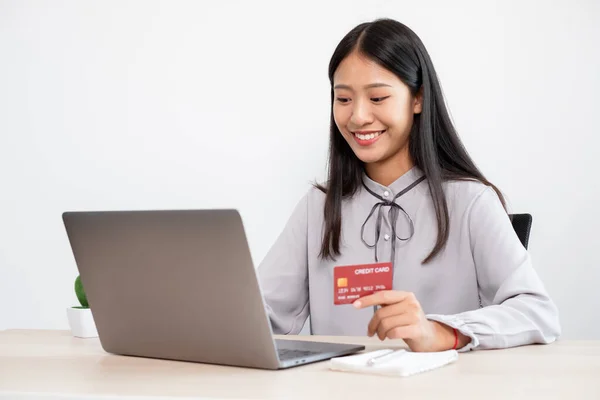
[357, 304]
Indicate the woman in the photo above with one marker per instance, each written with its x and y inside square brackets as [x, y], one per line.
[402, 188]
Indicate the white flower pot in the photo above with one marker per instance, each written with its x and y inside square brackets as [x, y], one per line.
[81, 322]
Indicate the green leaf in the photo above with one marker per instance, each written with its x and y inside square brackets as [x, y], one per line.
[80, 292]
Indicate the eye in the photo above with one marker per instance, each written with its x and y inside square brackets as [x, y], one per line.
[342, 100]
[378, 99]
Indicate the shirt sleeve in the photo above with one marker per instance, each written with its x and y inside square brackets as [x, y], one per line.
[283, 274]
[517, 309]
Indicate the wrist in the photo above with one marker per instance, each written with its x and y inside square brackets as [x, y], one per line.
[448, 337]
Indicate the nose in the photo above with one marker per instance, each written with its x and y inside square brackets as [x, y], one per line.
[361, 114]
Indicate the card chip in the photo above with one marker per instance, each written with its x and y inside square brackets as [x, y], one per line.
[342, 282]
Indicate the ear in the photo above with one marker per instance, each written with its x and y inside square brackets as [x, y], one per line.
[418, 102]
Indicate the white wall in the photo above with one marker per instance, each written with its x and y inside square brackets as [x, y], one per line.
[137, 105]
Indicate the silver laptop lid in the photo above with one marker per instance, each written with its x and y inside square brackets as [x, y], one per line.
[157, 281]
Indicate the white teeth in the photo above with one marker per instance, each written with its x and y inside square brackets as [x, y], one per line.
[368, 136]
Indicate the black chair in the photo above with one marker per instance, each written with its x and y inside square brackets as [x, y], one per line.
[522, 225]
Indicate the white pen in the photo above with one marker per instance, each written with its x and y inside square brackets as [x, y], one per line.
[383, 357]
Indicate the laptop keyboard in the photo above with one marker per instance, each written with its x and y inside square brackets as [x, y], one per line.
[288, 354]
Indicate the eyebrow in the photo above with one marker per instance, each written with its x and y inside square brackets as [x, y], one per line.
[369, 86]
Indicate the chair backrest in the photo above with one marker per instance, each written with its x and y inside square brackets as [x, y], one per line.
[522, 225]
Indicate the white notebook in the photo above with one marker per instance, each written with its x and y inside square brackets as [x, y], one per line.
[393, 363]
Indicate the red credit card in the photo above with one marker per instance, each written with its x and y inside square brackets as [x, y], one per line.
[351, 282]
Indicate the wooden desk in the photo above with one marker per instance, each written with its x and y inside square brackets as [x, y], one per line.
[55, 362]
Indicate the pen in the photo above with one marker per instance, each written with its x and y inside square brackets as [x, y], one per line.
[383, 357]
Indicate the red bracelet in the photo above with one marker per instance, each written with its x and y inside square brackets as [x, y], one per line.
[455, 338]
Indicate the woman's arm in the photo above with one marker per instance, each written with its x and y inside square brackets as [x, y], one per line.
[283, 275]
[517, 309]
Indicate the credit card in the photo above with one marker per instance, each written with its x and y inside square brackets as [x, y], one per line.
[351, 282]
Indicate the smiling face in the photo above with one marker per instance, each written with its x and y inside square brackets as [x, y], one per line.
[374, 111]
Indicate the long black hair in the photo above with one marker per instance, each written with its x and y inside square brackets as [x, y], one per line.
[434, 144]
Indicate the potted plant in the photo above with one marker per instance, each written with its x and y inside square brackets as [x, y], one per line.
[80, 317]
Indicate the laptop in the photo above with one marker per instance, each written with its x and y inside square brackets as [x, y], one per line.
[180, 285]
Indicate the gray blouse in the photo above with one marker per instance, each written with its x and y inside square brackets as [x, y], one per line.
[482, 283]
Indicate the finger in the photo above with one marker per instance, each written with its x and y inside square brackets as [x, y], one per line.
[396, 327]
[407, 332]
[391, 323]
[383, 297]
[385, 312]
